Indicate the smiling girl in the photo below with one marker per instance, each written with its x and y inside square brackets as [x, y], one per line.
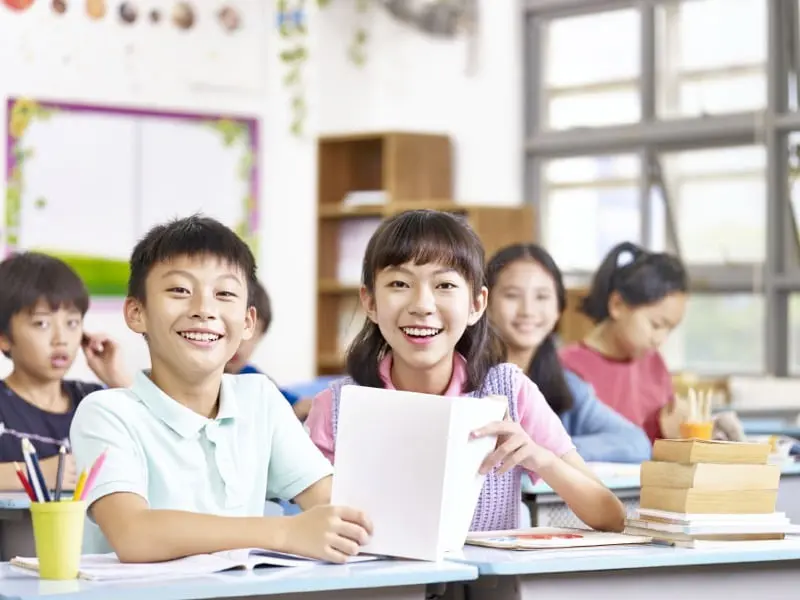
[426, 331]
[526, 300]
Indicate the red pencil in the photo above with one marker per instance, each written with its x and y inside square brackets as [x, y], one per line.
[25, 484]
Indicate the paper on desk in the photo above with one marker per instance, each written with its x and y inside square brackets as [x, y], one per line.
[407, 460]
[107, 567]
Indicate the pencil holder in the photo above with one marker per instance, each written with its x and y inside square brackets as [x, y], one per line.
[58, 536]
[699, 431]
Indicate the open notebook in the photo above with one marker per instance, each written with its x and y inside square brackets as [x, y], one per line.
[106, 567]
[540, 538]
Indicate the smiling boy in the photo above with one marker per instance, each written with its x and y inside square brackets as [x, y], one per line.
[42, 305]
[192, 453]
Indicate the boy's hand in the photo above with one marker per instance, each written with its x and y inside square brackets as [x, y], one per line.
[514, 447]
[105, 358]
[330, 533]
[50, 470]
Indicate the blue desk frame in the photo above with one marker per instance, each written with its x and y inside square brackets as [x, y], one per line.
[387, 580]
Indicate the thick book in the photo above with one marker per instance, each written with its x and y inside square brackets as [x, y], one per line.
[693, 451]
[542, 538]
[107, 567]
[708, 501]
[710, 476]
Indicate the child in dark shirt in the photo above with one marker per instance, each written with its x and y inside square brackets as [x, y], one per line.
[42, 305]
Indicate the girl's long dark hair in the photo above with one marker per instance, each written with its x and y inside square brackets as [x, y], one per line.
[638, 276]
[545, 368]
[423, 237]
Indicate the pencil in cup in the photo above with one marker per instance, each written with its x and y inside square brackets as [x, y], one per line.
[698, 424]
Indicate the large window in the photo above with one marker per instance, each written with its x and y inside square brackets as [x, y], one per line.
[656, 126]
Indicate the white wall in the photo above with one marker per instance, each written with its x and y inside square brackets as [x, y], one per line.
[409, 83]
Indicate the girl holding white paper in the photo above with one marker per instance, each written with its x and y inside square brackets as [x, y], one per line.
[427, 331]
[526, 300]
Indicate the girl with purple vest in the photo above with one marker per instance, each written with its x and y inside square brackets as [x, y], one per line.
[426, 331]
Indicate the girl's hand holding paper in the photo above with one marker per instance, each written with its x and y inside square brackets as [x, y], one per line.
[514, 447]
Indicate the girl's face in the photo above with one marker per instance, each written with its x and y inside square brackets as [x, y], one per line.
[422, 311]
[642, 329]
[523, 305]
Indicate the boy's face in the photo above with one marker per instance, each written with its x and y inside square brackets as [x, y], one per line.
[44, 342]
[195, 316]
[245, 351]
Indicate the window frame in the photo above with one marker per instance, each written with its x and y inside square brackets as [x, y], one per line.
[779, 275]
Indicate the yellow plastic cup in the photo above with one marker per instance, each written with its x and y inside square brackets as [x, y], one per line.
[58, 536]
[698, 431]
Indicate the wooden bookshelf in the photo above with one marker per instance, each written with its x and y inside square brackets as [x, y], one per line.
[574, 325]
[413, 170]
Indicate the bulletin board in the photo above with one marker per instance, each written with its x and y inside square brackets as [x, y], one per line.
[84, 183]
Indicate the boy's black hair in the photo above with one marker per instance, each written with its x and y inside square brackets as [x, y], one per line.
[28, 277]
[638, 276]
[190, 236]
[263, 306]
[423, 237]
[545, 368]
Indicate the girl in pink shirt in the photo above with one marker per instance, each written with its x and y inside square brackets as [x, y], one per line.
[636, 299]
[426, 331]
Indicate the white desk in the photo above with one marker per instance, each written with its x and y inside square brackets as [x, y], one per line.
[636, 572]
[387, 580]
[548, 509]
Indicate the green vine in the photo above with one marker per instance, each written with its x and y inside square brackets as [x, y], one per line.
[24, 111]
[294, 56]
[233, 133]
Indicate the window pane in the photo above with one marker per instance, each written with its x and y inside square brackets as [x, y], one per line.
[719, 203]
[591, 169]
[590, 204]
[721, 33]
[611, 39]
[721, 95]
[720, 334]
[594, 109]
[712, 56]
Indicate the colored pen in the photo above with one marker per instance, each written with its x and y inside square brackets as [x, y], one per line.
[98, 464]
[24, 481]
[27, 453]
[76, 495]
[62, 451]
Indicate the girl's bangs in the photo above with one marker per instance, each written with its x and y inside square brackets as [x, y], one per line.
[430, 241]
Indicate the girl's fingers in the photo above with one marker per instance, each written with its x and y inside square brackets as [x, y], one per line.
[499, 454]
[512, 461]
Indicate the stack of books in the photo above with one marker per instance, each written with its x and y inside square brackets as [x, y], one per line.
[698, 493]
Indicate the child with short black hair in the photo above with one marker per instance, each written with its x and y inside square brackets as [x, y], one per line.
[192, 453]
[240, 363]
[637, 298]
[42, 305]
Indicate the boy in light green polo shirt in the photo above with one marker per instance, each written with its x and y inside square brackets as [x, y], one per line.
[192, 453]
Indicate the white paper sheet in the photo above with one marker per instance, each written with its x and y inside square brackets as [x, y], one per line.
[407, 461]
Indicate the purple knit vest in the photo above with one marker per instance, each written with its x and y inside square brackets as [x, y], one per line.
[498, 504]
